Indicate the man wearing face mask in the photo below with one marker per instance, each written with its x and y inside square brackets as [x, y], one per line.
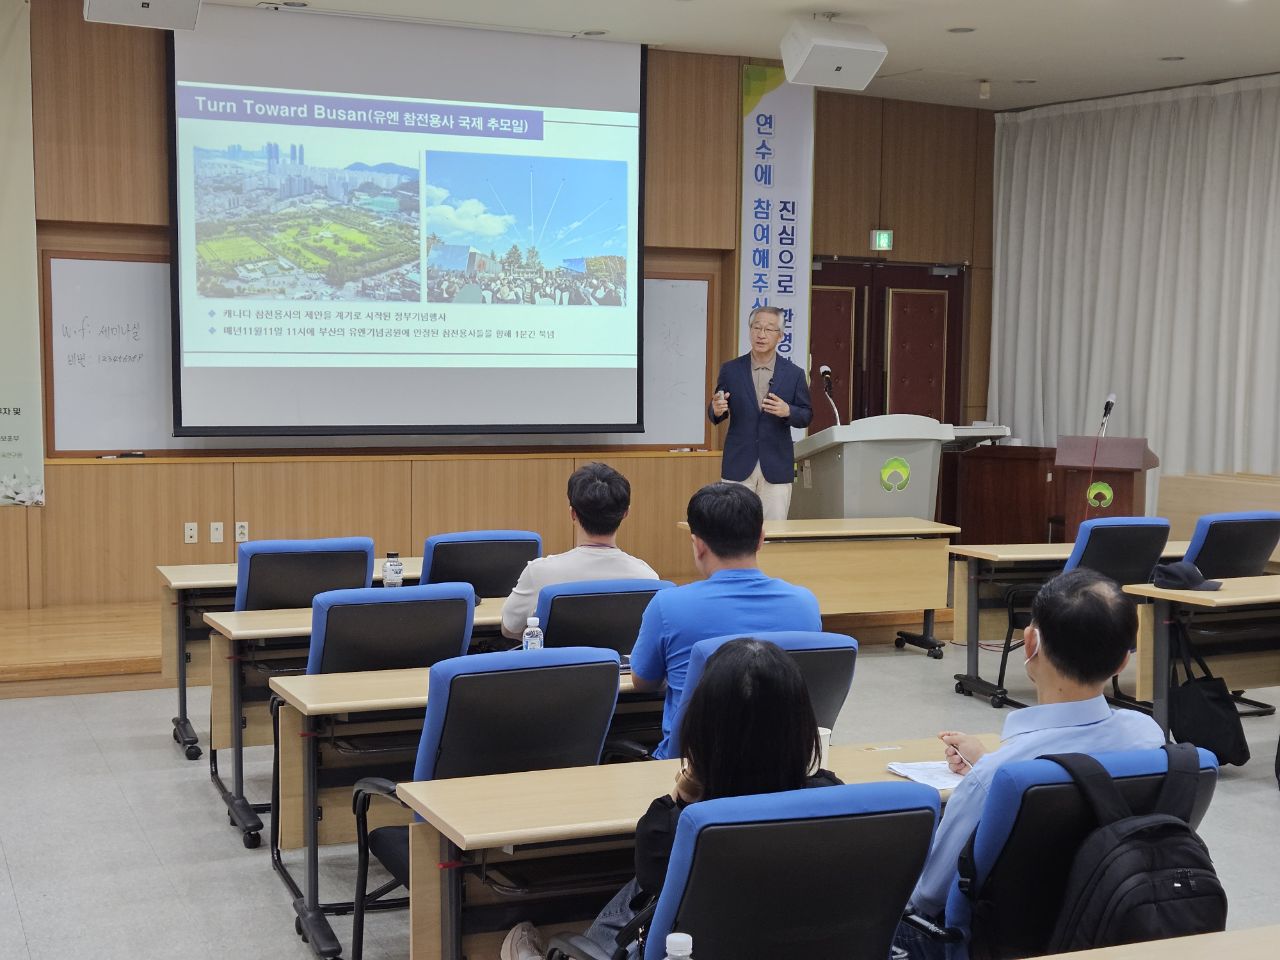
[1082, 627]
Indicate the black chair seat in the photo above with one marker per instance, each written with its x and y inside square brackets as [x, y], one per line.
[391, 846]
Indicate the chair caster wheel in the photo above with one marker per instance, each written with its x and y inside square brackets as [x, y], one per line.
[175, 734]
[193, 752]
[960, 688]
[997, 701]
[935, 653]
[899, 643]
[251, 840]
[297, 928]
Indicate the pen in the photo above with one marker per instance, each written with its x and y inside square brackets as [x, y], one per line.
[963, 758]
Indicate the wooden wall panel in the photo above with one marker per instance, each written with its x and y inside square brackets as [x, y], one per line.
[984, 173]
[846, 173]
[98, 102]
[13, 557]
[107, 525]
[661, 485]
[327, 498]
[691, 155]
[977, 346]
[927, 177]
[493, 493]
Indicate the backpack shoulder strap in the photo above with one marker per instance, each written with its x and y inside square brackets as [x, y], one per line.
[1096, 785]
[1178, 792]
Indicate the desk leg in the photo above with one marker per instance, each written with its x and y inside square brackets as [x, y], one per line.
[1160, 665]
[971, 682]
[430, 900]
[239, 811]
[312, 924]
[183, 733]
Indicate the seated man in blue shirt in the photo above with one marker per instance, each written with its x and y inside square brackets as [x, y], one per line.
[726, 521]
[1082, 627]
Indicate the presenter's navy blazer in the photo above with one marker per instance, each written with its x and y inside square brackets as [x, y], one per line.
[755, 436]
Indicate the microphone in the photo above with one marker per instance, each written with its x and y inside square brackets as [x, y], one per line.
[1106, 407]
[825, 372]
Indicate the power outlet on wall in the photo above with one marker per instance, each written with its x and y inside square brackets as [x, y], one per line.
[242, 531]
[191, 533]
[215, 531]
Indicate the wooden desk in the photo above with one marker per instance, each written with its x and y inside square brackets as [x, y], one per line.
[311, 707]
[1252, 669]
[871, 565]
[1256, 943]
[984, 563]
[268, 635]
[474, 815]
[195, 588]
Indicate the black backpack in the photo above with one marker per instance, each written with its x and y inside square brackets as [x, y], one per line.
[1138, 878]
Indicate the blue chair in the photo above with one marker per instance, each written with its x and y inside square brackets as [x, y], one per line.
[1126, 549]
[1226, 545]
[287, 574]
[389, 629]
[595, 613]
[491, 713]
[826, 661]
[490, 560]
[1034, 821]
[823, 873]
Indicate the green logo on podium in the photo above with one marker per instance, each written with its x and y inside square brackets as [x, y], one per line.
[1100, 495]
[895, 474]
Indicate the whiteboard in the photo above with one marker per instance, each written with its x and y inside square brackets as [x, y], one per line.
[111, 363]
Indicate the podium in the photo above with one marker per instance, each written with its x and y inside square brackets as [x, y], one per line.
[875, 467]
[1112, 484]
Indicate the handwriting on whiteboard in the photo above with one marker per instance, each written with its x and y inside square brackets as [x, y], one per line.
[107, 338]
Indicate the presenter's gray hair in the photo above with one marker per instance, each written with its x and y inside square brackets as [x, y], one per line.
[776, 311]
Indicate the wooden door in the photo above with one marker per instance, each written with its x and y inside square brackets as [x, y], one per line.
[831, 337]
[916, 352]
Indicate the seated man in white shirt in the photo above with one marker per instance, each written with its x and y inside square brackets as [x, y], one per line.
[599, 498]
[1082, 628]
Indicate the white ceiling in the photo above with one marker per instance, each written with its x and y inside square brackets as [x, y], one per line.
[1073, 49]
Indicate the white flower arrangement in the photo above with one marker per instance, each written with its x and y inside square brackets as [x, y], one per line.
[21, 492]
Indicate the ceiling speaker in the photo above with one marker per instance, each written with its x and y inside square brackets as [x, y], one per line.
[160, 14]
[823, 53]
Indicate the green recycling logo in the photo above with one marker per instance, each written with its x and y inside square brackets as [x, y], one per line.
[895, 474]
[1100, 495]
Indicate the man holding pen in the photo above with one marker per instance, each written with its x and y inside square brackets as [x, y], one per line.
[763, 396]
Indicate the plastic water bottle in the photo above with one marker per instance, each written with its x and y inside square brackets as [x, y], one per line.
[532, 639]
[679, 946]
[393, 571]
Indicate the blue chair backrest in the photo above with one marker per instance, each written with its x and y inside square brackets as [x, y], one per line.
[826, 661]
[518, 710]
[1126, 549]
[490, 560]
[595, 613]
[823, 872]
[376, 628]
[1234, 544]
[1034, 821]
[287, 574]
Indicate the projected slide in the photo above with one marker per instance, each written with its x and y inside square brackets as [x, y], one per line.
[330, 229]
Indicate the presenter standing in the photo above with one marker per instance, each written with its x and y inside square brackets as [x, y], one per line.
[763, 396]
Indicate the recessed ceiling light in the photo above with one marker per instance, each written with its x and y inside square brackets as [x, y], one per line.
[294, 3]
[1024, 81]
[961, 29]
[1172, 59]
[594, 33]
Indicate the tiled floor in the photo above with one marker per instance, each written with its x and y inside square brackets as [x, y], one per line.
[112, 845]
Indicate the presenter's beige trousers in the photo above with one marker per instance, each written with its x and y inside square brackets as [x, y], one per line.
[776, 497]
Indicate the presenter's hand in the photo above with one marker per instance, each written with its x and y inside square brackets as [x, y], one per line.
[720, 403]
[776, 405]
[963, 750]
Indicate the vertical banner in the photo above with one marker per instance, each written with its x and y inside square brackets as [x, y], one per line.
[21, 421]
[777, 206]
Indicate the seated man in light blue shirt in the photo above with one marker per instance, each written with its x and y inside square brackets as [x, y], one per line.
[1082, 628]
[726, 521]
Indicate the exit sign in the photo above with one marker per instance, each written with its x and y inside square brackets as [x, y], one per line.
[882, 240]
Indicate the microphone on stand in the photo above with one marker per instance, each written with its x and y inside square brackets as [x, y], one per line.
[1106, 413]
[825, 372]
